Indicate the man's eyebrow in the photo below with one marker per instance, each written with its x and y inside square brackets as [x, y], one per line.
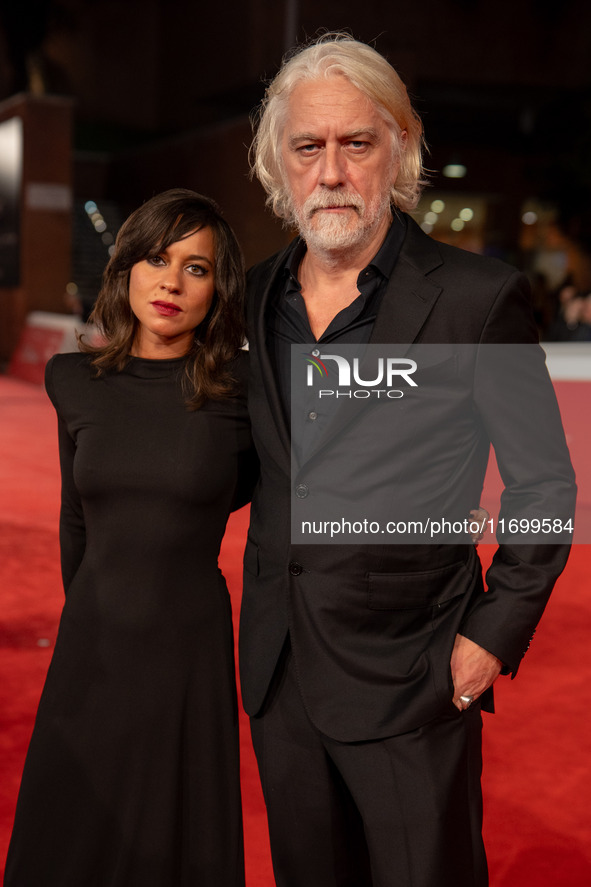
[300, 137]
[364, 131]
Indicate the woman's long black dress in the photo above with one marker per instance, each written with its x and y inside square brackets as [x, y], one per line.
[132, 775]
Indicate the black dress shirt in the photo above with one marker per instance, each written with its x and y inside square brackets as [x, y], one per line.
[287, 319]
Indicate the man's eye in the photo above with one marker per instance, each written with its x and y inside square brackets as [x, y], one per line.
[308, 149]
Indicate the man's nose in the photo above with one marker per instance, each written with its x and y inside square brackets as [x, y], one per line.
[333, 171]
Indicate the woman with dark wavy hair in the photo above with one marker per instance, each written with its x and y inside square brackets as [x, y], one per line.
[132, 775]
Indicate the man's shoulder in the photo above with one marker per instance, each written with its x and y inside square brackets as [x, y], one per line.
[476, 263]
[448, 259]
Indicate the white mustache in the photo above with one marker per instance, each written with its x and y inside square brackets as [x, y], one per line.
[332, 199]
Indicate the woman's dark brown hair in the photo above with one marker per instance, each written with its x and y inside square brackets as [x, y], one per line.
[148, 231]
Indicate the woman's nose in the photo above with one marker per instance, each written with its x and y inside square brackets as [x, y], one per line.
[171, 280]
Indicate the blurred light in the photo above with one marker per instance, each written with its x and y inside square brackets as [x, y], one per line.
[95, 216]
[457, 224]
[431, 218]
[71, 288]
[454, 171]
[529, 218]
[100, 226]
[107, 238]
[466, 214]
[426, 227]
[437, 206]
[90, 206]
[111, 250]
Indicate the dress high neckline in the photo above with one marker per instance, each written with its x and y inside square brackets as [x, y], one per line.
[153, 368]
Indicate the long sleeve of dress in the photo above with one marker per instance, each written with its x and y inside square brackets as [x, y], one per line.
[72, 525]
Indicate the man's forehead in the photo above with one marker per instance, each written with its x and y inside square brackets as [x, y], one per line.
[330, 101]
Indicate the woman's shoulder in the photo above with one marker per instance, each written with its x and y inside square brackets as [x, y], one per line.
[240, 364]
[65, 373]
[236, 371]
[68, 366]
[239, 371]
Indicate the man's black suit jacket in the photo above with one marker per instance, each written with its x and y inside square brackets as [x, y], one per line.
[372, 627]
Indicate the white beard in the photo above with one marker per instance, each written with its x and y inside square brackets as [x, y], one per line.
[327, 232]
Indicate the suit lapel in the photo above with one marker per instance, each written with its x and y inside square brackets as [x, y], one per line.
[410, 295]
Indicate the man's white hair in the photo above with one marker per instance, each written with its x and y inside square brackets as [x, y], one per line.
[329, 56]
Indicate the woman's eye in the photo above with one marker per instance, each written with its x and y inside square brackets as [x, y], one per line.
[155, 260]
[198, 270]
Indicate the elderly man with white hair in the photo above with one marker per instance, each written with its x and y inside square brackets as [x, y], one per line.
[365, 666]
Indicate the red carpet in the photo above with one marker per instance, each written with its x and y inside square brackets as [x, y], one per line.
[537, 774]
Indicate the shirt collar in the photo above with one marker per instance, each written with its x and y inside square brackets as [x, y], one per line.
[383, 262]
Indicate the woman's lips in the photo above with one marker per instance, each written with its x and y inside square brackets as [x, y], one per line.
[167, 309]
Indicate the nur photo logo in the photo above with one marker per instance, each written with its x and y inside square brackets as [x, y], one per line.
[359, 377]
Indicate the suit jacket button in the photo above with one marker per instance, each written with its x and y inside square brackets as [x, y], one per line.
[295, 569]
[302, 491]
